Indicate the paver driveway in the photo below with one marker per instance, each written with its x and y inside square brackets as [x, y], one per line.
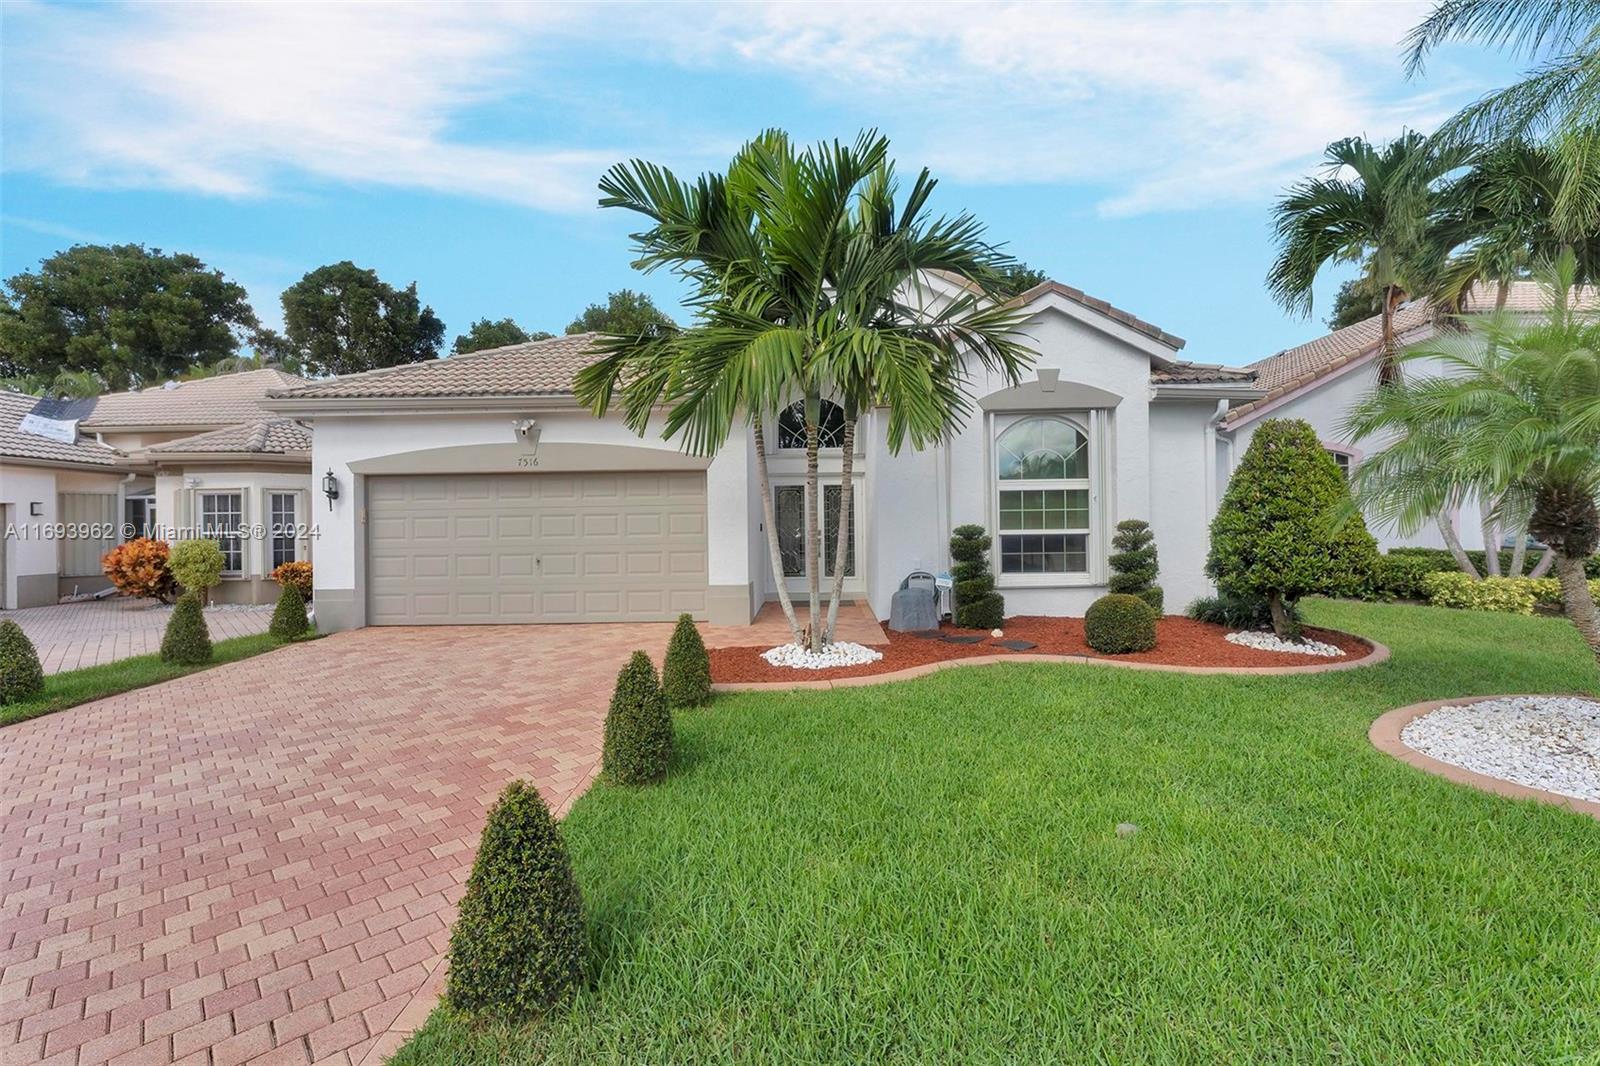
[91, 632]
[262, 860]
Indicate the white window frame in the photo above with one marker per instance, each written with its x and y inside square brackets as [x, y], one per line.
[1091, 532]
[271, 548]
[1351, 457]
[243, 545]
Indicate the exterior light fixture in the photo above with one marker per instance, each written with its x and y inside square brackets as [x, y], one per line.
[330, 487]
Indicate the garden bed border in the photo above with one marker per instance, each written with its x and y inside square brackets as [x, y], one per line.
[1385, 736]
[1378, 654]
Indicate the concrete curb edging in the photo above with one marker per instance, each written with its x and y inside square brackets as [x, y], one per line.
[1385, 736]
[1378, 654]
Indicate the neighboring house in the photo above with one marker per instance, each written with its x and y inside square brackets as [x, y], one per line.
[169, 461]
[1322, 380]
[475, 489]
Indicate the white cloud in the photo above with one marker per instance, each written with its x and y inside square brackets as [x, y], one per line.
[220, 98]
[1172, 105]
[1164, 106]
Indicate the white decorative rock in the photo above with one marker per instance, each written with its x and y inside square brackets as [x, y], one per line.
[997, 633]
[1548, 742]
[1272, 642]
[840, 653]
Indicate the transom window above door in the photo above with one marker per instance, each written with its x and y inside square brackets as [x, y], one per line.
[1042, 497]
[792, 426]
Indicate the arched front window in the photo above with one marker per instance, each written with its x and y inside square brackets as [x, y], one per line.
[1042, 486]
[792, 426]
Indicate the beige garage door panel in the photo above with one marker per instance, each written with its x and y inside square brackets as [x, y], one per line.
[535, 548]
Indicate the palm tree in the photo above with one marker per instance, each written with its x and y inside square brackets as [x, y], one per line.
[1560, 94]
[799, 268]
[1516, 417]
[1377, 204]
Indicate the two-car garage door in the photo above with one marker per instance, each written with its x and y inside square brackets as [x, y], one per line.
[592, 547]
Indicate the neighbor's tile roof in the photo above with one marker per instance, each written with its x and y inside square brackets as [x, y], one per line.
[534, 368]
[266, 436]
[223, 400]
[19, 445]
[1294, 368]
[1201, 374]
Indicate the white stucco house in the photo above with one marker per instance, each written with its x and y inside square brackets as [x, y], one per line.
[1322, 380]
[475, 489]
[165, 461]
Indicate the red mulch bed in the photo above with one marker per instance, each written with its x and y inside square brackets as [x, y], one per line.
[1179, 642]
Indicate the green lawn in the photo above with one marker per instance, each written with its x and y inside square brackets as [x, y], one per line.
[72, 687]
[928, 872]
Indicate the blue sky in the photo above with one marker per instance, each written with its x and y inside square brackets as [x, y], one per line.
[1131, 151]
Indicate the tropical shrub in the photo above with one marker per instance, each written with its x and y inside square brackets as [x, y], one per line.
[1238, 612]
[289, 617]
[140, 568]
[297, 573]
[686, 673]
[1441, 559]
[518, 943]
[1119, 623]
[186, 642]
[977, 604]
[1133, 565]
[1286, 527]
[1455, 589]
[638, 734]
[197, 564]
[21, 675]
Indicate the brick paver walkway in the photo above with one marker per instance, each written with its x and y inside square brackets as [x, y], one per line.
[261, 861]
[91, 632]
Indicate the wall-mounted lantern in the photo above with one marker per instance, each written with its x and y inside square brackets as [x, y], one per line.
[330, 487]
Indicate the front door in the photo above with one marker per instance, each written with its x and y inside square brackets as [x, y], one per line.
[789, 514]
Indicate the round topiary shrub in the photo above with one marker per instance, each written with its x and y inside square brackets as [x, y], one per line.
[638, 733]
[518, 943]
[977, 604]
[139, 568]
[1118, 623]
[686, 674]
[289, 617]
[186, 642]
[197, 564]
[21, 676]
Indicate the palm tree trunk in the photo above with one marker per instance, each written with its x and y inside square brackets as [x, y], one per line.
[1501, 292]
[813, 528]
[1542, 567]
[846, 516]
[769, 519]
[1491, 547]
[1453, 542]
[1388, 369]
[1519, 554]
[1579, 603]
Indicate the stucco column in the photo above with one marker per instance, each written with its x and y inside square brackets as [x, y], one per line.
[730, 598]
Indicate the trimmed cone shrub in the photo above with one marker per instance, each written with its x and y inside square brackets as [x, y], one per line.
[977, 604]
[1118, 623]
[186, 642]
[517, 947]
[686, 674]
[638, 736]
[197, 564]
[1133, 564]
[21, 676]
[289, 617]
[1287, 527]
